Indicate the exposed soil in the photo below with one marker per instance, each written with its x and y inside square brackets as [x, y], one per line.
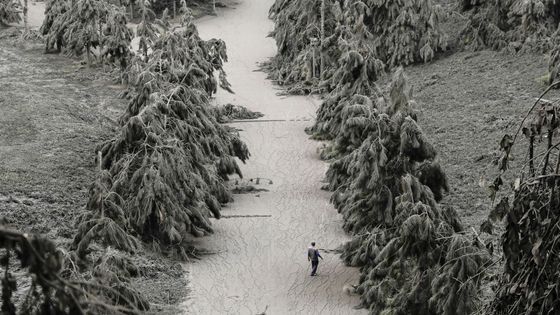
[53, 113]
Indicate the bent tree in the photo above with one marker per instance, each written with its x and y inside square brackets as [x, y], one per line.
[163, 175]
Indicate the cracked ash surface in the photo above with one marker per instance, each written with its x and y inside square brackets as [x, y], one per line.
[261, 262]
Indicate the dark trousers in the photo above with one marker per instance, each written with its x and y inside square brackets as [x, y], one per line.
[314, 265]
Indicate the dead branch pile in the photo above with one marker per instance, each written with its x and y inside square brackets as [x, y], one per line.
[322, 43]
[163, 176]
[531, 282]
[55, 287]
[413, 253]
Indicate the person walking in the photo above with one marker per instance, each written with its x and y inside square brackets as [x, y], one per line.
[313, 256]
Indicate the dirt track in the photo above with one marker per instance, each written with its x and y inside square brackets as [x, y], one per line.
[261, 262]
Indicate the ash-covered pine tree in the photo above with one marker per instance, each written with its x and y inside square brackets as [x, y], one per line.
[10, 12]
[116, 38]
[301, 48]
[82, 26]
[164, 175]
[413, 255]
[54, 10]
[55, 286]
[517, 26]
[513, 24]
[379, 34]
[95, 28]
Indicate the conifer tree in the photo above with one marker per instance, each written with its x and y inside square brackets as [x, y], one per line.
[381, 34]
[54, 10]
[116, 38]
[386, 183]
[10, 11]
[90, 27]
[163, 176]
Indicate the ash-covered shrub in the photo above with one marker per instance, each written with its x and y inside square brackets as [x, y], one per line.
[413, 253]
[515, 26]
[323, 44]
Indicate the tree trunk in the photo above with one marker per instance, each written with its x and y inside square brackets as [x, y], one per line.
[314, 64]
[88, 55]
[131, 11]
[174, 8]
[531, 156]
[214, 6]
[550, 134]
[322, 70]
[25, 14]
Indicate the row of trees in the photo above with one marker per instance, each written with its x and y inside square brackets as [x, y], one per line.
[414, 255]
[161, 177]
[163, 174]
[515, 25]
[312, 37]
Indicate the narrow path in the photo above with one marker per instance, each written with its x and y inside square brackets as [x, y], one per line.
[261, 261]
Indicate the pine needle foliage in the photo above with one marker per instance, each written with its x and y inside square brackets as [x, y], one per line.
[513, 24]
[361, 38]
[96, 28]
[10, 11]
[163, 176]
[530, 282]
[54, 10]
[53, 288]
[413, 253]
